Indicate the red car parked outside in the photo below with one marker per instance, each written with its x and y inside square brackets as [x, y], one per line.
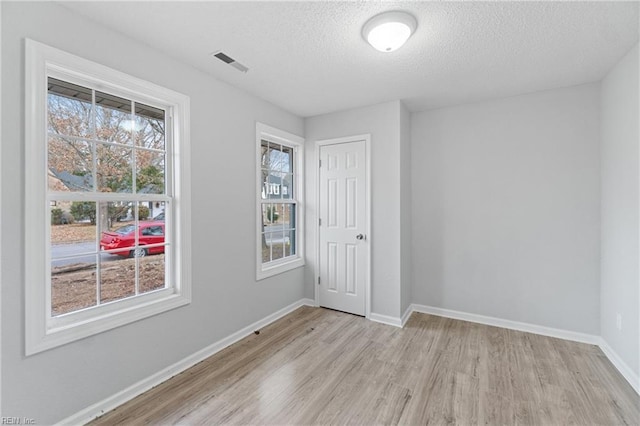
[151, 232]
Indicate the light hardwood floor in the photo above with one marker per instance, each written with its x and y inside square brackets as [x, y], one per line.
[317, 366]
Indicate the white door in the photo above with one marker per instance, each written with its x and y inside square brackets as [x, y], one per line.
[344, 244]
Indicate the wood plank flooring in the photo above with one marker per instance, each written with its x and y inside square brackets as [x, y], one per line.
[317, 366]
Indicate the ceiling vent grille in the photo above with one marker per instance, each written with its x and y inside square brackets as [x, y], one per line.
[230, 61]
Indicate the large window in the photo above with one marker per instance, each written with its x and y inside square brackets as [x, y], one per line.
[279, 224]
[106, 239]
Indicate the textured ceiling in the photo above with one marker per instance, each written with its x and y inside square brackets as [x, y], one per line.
[309, 57]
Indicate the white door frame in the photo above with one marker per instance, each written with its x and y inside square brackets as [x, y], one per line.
[367, 143]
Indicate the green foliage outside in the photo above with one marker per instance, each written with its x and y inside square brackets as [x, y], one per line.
[143, 212]
[151, 179]
[116, 212]
[272, 214]
[83, 210]
[56, 216]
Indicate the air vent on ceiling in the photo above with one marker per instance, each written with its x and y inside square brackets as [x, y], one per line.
[230, 61]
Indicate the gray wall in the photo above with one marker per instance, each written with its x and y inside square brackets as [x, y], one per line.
[619, 239]
[405, 209]
[383, 123]
[57, 383]
[506, 208]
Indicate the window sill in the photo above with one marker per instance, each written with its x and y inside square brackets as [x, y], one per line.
[57, 336]
[278, 268]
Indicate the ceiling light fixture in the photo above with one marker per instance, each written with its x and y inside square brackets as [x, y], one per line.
[388, 31]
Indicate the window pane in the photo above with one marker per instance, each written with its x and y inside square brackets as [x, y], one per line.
[272, 232]
[265, 155]
[286, 159]
[152, 233]
[272, 185]
[118, 230]
[272, 217]
[267, 229]
[73, 285]
[266, 189]
[266, 249]
[150, 172]
[145, 210]
[114, 170]
[151, 270]
[114, 122]
[277, 159]
[157, 210]
[83, 214]
[116, 223]
[276, 241]
[287, 186]
[150, 129]
[283, 215]
[278, 232]
[71, 237]
[290, 243]
[276, 171]
[287, 213]
[69, 109]
[70, 165]
[117, 278]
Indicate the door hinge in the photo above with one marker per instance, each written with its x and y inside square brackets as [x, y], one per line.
[319, 163]
[318, 280]
[319, 221]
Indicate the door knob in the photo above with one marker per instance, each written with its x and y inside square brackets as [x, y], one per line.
[359, 237]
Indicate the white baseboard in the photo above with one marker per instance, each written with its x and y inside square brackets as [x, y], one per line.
[386, 319]
[406, 315]
[511, 325]
[86, 415]
[620, 365]
[574, 336]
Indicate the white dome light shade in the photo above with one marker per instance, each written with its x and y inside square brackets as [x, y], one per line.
[388, 31]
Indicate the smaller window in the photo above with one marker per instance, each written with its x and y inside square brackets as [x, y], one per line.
[279, 245]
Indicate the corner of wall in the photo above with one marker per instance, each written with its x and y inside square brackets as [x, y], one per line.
[619, 215]
[623, 368]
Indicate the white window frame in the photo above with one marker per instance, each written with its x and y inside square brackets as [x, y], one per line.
[42, 331]
[265, 132]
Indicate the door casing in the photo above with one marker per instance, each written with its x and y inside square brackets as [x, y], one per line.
[367, 142]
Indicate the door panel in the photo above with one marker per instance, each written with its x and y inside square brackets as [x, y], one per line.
[343, 257]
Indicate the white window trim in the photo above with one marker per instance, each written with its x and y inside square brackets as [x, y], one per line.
[41, 332]
[0, 222]
[297, 143]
